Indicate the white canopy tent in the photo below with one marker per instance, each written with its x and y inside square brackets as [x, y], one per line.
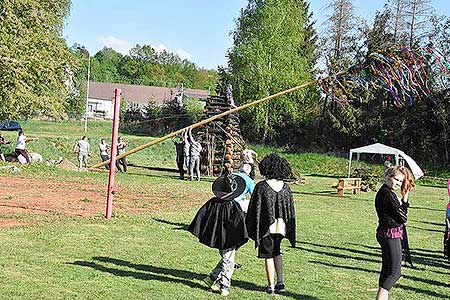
[378, 148]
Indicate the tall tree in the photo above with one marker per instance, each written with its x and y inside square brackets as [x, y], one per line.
[381, 35]
[418, 14]
[340, 37]
[396, 10]
[35, 62]
[273, 50]
[105, 65]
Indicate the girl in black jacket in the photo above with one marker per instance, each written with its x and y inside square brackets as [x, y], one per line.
[271, 217]
[392, 215]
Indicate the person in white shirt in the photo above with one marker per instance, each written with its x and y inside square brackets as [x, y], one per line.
[20, 146]
[195, 151]
[121, 145]
[187, 150]
[82, 148]
[247, 158]
[103, 148]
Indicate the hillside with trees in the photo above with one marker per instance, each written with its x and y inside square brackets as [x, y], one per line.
[142, 66]
[419, 127]
[275, 47]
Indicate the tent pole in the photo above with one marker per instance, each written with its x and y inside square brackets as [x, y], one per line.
[349, 163]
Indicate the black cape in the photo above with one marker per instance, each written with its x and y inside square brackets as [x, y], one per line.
[265, 206]
[220, 224]
[406, 252]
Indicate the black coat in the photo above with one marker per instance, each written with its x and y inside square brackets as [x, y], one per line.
[220, 224]
[391, 213]
[265, 207]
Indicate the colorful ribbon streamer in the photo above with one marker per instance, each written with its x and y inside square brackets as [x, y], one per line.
[401, 71]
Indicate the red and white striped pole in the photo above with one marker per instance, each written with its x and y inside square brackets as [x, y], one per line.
[112, 163]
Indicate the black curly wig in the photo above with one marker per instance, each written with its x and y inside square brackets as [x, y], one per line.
[274, 166]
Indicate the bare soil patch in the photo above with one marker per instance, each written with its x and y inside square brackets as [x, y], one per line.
[18, 195]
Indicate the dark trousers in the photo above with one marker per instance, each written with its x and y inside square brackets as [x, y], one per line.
[24, 153]
[123, 162]
[391, 253]
[105, 158]
[252, 171]
[180, 165]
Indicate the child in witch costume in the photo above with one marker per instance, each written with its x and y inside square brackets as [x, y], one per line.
[220, 224]
[271, 217]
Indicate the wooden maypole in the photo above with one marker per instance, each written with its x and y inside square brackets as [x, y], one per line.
[203, 122]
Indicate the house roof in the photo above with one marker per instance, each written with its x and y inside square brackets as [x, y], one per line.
[139, 94]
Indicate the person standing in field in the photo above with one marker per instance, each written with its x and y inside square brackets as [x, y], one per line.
[271, 218]
[447, 226]
[103, 147]
[82, 148]
[121, 146]
[247, 158]
[244, 172]
[179, 148]
[392, 215]
[220, 224]
[195, 149]
[21, 146]
[187, 151]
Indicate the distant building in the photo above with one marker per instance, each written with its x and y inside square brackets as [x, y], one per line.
[101, 96]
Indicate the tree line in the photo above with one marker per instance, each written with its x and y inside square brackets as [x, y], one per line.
[142, 66]
[276, 46]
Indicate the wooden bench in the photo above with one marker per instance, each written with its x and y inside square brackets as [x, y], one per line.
[353, 184]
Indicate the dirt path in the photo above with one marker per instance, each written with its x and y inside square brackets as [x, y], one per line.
[18, 195]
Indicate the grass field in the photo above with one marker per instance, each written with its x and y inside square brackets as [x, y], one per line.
[144, 252]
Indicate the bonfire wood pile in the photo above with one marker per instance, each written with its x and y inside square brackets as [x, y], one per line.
[221, 139]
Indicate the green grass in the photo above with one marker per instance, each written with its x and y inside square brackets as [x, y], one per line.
[56, 139]
[150, 255]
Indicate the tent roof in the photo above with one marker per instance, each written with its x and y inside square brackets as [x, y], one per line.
[376, 148]
[383, 149]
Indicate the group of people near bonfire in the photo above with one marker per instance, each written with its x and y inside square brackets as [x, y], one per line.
[227, 221]
[82, 149]
[189, 155]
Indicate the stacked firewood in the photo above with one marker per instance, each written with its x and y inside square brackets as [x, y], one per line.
[221, 139]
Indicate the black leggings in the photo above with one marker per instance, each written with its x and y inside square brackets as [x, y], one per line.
[391, 251]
